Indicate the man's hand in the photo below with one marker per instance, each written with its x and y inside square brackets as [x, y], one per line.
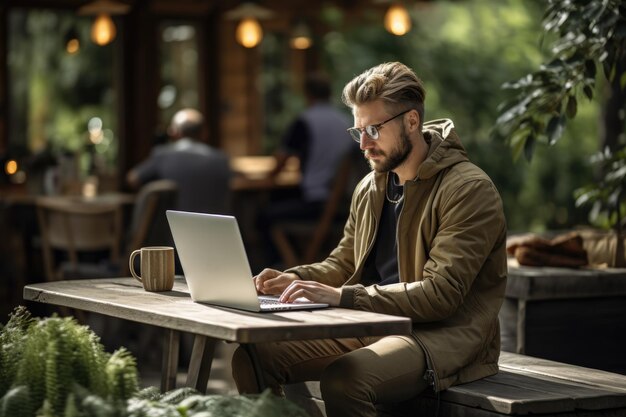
[313, 291]
[271, 281]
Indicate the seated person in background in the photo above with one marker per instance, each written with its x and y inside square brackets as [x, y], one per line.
[201, 172]
[319, 138]
[425, 239]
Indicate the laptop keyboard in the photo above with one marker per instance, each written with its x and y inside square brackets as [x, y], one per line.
[272, 304]
[269, 301]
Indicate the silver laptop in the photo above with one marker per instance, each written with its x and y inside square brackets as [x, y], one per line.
[216, 266]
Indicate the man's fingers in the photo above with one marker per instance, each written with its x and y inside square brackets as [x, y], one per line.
[298, 287]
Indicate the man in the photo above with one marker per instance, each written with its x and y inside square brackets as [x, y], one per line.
[319, 138]
[201, 172]
[425, 239]
[316, 137]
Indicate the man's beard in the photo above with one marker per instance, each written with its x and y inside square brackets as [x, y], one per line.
[397, 156]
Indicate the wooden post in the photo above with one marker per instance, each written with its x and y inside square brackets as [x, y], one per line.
[4, 94]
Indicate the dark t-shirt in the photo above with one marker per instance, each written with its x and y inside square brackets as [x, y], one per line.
[381, 266]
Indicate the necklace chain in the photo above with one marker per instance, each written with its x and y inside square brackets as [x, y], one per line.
[392, 200]
[390, 182]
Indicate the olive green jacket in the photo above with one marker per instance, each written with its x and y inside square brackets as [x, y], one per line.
[451, 258]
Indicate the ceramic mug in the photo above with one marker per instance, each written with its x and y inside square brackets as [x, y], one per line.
[157, 267]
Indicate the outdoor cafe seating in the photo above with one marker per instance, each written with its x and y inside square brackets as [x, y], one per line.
[75, 226]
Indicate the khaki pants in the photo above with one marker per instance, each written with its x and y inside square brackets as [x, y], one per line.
[354, 374]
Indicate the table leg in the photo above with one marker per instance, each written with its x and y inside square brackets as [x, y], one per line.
[258, 372]
[521, 327]
[169, 366]
[200, 362]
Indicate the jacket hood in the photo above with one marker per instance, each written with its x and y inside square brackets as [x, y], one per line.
[445, 148]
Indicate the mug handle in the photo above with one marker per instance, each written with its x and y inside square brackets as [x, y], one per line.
[131, 265]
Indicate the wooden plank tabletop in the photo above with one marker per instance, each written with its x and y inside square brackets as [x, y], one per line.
[125, 298]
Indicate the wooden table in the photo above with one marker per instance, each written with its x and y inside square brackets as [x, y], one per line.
[175, 311]
[568, 315]
[253, 189]
[252, 173]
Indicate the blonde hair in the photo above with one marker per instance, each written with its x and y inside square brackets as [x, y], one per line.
[393, 82]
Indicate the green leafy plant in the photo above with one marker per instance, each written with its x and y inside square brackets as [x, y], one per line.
[588, 34]
[606, 197]
[56, 367]
[186, 402]
[12, 338]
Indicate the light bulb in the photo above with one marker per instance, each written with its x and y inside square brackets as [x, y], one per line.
[249, 32]
[301, 42]
[103, 30]
[11, 167]
[301, 38]
[397, 20]
[72, 46]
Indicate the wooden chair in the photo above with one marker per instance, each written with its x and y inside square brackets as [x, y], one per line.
[148, 225]
[330, 224]
[75, 226]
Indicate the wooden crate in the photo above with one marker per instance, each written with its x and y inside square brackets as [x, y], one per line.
[576, 316]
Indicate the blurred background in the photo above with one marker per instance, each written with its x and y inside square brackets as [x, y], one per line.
[87, 89]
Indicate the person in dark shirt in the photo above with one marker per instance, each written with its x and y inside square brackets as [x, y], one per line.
[201, 172]
[319, 138]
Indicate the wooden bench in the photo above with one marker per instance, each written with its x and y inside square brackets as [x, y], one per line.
[524, 386]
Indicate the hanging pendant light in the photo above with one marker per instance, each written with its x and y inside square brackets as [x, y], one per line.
[249, 32]
[397, 20]
[301, 36]
[72, 42]
[103, 30]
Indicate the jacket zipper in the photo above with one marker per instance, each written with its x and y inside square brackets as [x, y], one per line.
[372, 241]
[430, 375]
[397, 236]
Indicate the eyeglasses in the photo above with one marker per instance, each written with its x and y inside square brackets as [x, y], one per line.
[371, 130]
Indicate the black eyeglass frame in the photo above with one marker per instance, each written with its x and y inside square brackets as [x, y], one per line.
[356, 132]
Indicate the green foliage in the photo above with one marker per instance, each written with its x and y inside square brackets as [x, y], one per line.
[17, 403]
[61, 370]
[186, 402]
[121, 372]
[606, 197]
[587, 34]
[58, 367]
[54, 94]
[11, 342]
[263, 405]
